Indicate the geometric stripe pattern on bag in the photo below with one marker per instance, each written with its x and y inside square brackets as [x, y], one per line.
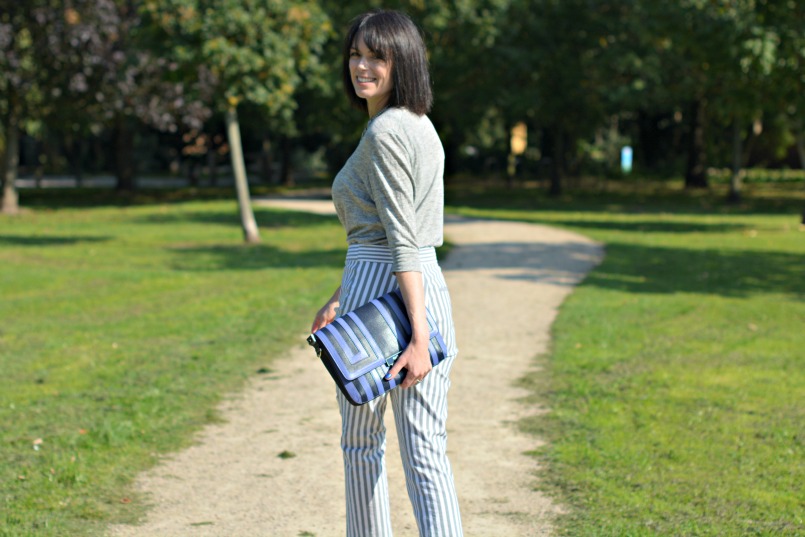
[360, 347]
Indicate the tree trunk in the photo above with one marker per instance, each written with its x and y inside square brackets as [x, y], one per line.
[250, 232]
[511, 170]
[452, 154]
[192, 172]
[48, 152]
[79, 149]
[11, 161]
[39, 173]
[557, 143]
[647, 149]
[696, 172]
[801, 152]
[800, 137]
[265, 161]
[737, 160]
[286, 171]
[750, 137]
[124, 156]
[212, 163]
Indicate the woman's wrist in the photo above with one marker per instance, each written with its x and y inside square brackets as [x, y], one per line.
[420, 339]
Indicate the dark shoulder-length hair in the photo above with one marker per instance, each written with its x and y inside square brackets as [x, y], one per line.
[394, 37]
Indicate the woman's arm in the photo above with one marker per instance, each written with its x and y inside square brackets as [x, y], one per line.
[326, 314]
[415, 358]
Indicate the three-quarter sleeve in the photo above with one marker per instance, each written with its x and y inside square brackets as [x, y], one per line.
[390, 192]
[390, 177]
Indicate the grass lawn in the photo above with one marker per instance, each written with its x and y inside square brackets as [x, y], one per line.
[676, 377]
[677, 374]
[122, 327]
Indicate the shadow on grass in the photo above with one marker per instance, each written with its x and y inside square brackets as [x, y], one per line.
[729, 273]
[85, 197]
[639, 268]
[252, 257]
[42, 240]
[650, 197]
[649, 226]
[266, 218]
[561, 264]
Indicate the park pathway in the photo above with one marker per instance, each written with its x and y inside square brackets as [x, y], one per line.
[273, 467]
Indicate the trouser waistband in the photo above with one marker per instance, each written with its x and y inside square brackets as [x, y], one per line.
[382, 254]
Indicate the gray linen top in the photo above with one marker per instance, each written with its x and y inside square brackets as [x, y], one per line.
[391, 190]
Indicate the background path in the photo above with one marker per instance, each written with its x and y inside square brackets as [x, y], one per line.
[506, 280]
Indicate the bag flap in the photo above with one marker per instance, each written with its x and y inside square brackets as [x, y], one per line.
[368, 337]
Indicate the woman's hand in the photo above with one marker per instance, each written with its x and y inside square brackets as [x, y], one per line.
[415, 358]
[327, 313]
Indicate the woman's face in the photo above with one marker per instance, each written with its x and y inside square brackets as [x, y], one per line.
[371, 76]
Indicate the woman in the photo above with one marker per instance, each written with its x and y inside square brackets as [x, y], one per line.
[390, 198]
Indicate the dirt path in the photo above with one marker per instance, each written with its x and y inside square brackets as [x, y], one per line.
[506, 280]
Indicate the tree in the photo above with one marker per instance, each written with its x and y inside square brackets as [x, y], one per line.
[81, 65]
[555, 70]
[463, 37]
[20, 89]
[787, 80]
[742, 80]
[257, 51]
[714, 57]
[460, 37]
[123, 81]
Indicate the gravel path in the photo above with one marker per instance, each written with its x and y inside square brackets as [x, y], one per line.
[506, 280]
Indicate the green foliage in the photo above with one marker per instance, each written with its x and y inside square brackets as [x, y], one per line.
[124, 324]
[760, 175]
[676, 372]
[571, 69]
[257, 51]
[461, 38]
[122, 329]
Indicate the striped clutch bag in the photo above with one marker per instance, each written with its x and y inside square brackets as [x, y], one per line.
[360, 347]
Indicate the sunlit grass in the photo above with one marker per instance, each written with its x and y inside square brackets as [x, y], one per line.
[677, 373]
[675, 379]
[122, 327]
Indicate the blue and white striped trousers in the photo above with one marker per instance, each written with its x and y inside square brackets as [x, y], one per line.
[420, 414]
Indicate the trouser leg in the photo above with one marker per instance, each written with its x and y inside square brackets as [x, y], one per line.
[363, 441]
[420, 414]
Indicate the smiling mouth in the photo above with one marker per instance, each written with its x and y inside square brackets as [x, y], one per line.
[363, 80]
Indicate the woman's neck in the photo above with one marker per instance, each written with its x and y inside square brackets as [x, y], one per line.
[375, 108]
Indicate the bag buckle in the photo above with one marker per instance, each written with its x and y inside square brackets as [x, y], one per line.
[313, 342]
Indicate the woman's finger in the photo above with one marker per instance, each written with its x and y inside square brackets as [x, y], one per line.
[397, 367]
